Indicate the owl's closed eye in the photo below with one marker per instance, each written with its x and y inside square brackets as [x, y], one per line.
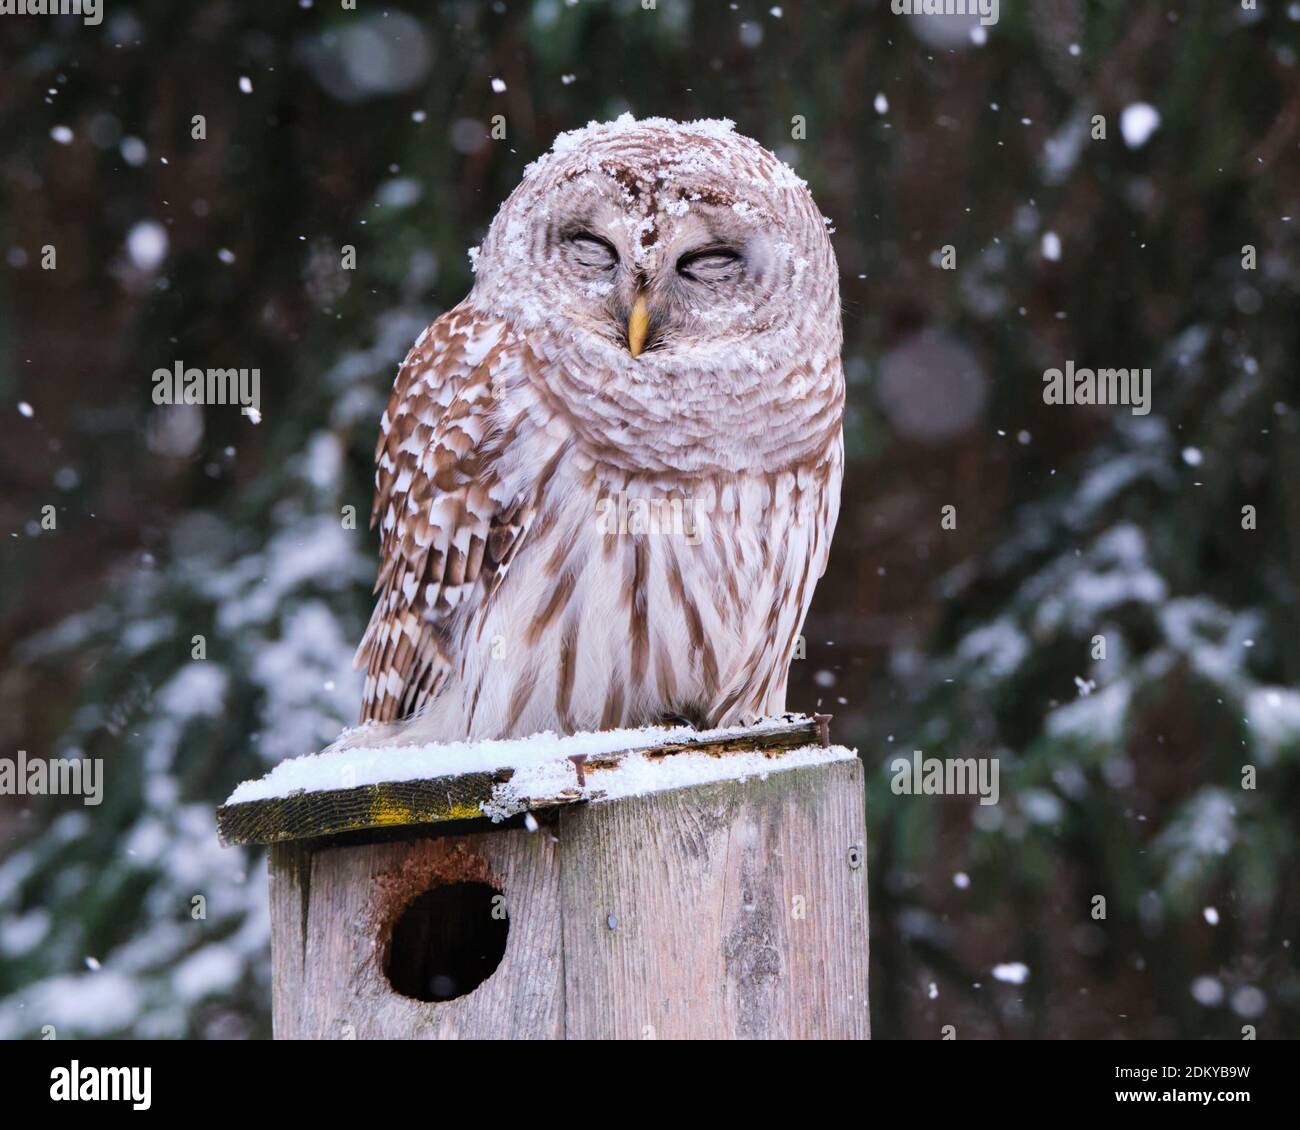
[710, 265]
[590, 254]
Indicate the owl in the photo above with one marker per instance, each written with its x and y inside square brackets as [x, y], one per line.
[607, 481]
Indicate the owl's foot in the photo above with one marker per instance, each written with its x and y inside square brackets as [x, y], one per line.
[670, 718]
[371, 735]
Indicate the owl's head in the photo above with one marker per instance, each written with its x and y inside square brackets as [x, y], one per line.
[676, 285]
[654, 242]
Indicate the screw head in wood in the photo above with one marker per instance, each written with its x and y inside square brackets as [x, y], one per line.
[579, 760]
[855, 856]
[823, 729]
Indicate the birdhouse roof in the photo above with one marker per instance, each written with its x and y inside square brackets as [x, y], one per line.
[357, 789]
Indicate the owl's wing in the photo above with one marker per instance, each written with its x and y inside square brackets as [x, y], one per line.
[443, 524]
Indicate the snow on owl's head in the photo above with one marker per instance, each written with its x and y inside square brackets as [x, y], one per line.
[664, 250]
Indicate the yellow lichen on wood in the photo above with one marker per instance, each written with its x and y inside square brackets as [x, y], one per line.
[387, 809]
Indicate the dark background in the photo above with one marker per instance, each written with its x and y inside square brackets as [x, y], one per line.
[1121, 777]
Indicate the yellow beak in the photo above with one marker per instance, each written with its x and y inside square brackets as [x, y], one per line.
[638, 322]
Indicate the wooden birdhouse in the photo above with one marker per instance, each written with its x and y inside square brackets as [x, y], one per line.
[631, 884]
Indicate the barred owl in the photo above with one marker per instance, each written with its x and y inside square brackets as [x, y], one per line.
[607, 480]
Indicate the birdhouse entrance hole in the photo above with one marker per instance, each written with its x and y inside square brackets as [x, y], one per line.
[447, 942]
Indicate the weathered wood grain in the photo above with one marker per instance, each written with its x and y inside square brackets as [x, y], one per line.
[436, 800]
[290, 890]
[389, 804]
[735, 909]
[731, 910]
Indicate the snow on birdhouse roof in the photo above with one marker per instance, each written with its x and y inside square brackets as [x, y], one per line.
[363, 787]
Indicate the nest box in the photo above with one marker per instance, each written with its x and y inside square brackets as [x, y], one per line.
[632, 884]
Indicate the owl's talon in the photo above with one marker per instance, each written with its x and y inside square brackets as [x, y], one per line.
[669, 720]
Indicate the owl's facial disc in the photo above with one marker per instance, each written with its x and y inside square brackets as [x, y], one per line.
[663, 278]
[675, 258]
